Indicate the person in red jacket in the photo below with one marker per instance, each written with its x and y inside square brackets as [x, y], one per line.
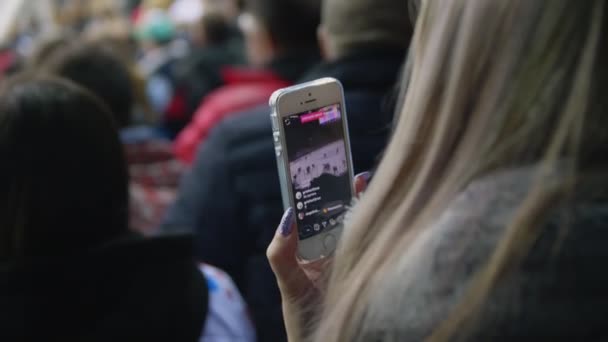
[281, 46]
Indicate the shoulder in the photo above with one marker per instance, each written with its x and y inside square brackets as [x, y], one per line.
[246, 134]
[483, 207]
[237, 128]
[467, 231]
[243, 124]
[433, 273]
[237, 142]
[240, 96]
[369, 110]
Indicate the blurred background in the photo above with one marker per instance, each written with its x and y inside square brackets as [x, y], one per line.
[29, 26]
[188, 83]
[46, 17]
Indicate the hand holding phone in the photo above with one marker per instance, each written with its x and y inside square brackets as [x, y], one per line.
[314, 161]
[298, 280]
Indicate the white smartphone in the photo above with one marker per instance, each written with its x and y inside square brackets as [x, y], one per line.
[314, 160]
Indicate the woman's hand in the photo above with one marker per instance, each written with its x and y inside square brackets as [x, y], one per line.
[299, 280]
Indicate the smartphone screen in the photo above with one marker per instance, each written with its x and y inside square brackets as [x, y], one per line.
[319, 169]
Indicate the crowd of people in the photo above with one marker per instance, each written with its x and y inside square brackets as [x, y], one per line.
[139, 193]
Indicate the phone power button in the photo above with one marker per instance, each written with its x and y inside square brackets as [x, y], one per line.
[278, 150]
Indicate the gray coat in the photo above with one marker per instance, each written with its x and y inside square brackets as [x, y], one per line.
[559, 293]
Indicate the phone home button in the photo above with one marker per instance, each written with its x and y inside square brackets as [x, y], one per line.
[329, 242]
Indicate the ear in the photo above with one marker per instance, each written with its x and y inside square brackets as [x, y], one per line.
[324, 45]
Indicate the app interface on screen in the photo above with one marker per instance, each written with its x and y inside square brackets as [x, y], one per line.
[318, 169]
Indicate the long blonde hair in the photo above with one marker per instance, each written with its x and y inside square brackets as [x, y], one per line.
[492, 85]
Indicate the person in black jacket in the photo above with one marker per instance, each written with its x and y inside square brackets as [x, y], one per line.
[217, 43]
[231, 198]
[70, 270]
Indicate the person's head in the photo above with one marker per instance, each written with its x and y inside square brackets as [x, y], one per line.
[212, 29]
[229, 9]
[63, 180]
[277, 27]
[491, 85]
[349, 26]
[102, 72]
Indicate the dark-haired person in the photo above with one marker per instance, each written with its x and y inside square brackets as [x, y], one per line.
[99, 69]
[232, 197]
[102, 70]
[216, 44]
[70, 270]
[213, 29]
[281, 43]
[47, 48]
[161, 48]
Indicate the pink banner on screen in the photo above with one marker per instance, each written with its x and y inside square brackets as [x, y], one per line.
[324, 116]
[311, 117]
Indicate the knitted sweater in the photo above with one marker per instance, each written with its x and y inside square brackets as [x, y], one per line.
[558, 293]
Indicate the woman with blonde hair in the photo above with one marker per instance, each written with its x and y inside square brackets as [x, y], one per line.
[487, 217]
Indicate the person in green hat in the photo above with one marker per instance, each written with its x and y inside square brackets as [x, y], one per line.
[156, 35]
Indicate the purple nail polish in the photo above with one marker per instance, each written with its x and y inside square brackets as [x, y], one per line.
[287, 222]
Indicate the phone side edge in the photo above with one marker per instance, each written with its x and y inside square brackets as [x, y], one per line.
[279, 148]
[349, 155]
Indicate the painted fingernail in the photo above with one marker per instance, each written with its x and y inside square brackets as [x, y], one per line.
[365, 175]
[287, 222]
